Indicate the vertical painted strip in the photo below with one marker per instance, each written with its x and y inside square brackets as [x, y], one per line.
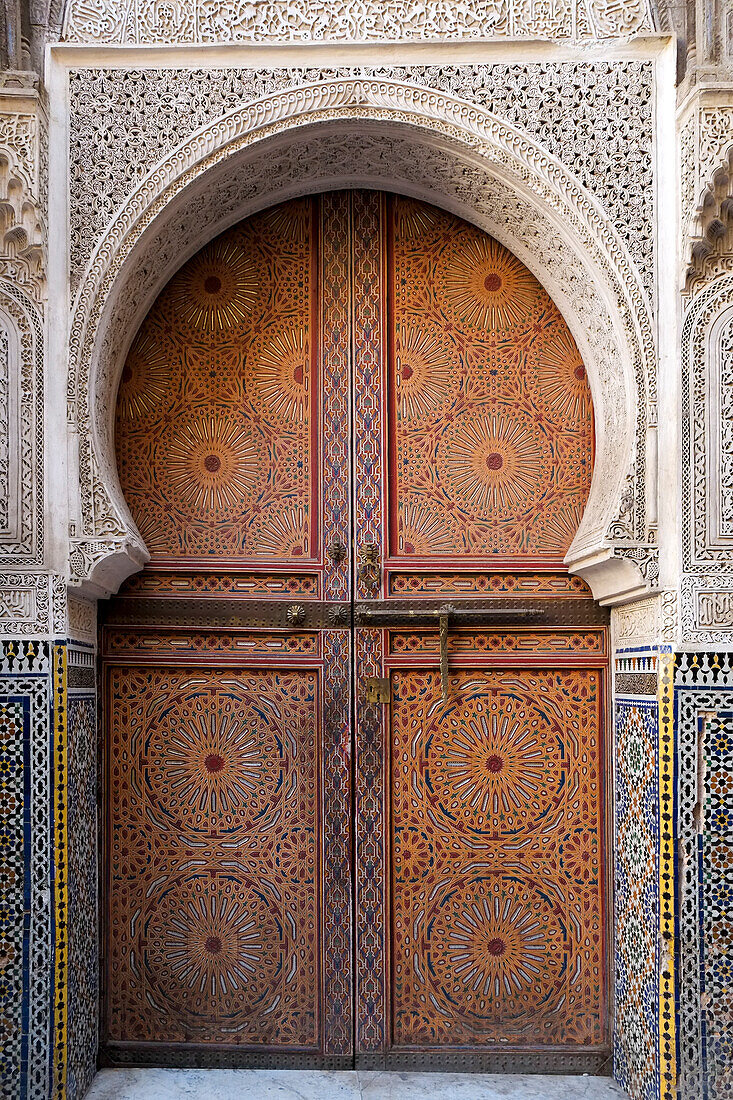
[371, 864]
[61, 883]
[368, 358]
[338, 977]
[667, 1014]
[368, 320]
[335, 330]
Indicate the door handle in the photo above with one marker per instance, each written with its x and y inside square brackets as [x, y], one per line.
[368, 571]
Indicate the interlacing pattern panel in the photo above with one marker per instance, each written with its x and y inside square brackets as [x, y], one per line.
[491, 422]
[215, 412]
[497, 873]
[213, 863]
[336, 335]
[637, 907]
[337, 935]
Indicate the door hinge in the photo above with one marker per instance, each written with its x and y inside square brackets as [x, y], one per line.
[377, 689]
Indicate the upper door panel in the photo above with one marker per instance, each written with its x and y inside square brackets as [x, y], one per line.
[217, 413]
[490, 420]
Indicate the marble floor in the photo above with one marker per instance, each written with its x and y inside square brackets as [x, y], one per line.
[244, 1084]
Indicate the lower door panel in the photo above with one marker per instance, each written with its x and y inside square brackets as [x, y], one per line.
[495, 933]
[218, 911]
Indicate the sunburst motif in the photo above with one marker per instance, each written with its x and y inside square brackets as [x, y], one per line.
[492, 463]
[215, 763]
[562, 379]
[497, 947]
[146, 376]
[496, 768]
[423, 371]
[412, 218]
[281, 371]
[561, 521]
[212, 462]
[485, 286]
[216, 289]
[284, 533]
[422, 529]
[290, 220]
[217, 942]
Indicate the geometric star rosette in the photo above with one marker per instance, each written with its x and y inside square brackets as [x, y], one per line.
[493, 762]
[216, 948]
[214, 856]
[214, 759]
[497, 949]
[215, 414]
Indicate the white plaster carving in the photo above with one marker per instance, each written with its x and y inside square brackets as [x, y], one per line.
[637, 624]
[21, 458]
[447, 151]
[714, 608]
[720, 433]
[82, 619]
[180, 21]
[23, 182]
[27, 600]
[25, 605]
[125, 121]
[706, 186]
[670, 625]
[707, 465]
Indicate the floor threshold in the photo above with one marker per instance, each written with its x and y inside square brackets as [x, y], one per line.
[267, 1084]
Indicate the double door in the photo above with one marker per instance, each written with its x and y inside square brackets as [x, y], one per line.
[354, 706]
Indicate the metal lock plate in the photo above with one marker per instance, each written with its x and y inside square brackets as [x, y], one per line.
[377, 689]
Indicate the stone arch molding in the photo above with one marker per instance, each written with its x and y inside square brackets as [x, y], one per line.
[391, 135]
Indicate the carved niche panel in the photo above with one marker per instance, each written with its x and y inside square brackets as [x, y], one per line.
[21, 429]
[215, 412]
[707, 466]
[491, 422]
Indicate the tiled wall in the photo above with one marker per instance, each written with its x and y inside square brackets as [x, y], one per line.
[704, 723]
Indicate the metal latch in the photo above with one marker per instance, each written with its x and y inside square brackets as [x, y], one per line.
[377, 689]
[394, 616]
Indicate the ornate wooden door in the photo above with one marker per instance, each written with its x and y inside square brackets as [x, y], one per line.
[355, 704]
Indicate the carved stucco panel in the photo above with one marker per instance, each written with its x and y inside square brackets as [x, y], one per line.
[23, 186]
[597, 119]
[32, 605]
[21, 457]
[707, 465]
[187, 21]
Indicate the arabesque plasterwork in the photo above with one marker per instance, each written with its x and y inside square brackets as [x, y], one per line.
[23, 183]
[707, 470]
[176, 21]
[476, 165]
[124, 121]
[706, 188]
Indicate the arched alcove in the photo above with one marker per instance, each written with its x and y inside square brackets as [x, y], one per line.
[341, 413]
[383, 135]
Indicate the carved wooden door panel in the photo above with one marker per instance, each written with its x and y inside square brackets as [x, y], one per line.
[227, 679]
[356, 436]
[480, 870]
